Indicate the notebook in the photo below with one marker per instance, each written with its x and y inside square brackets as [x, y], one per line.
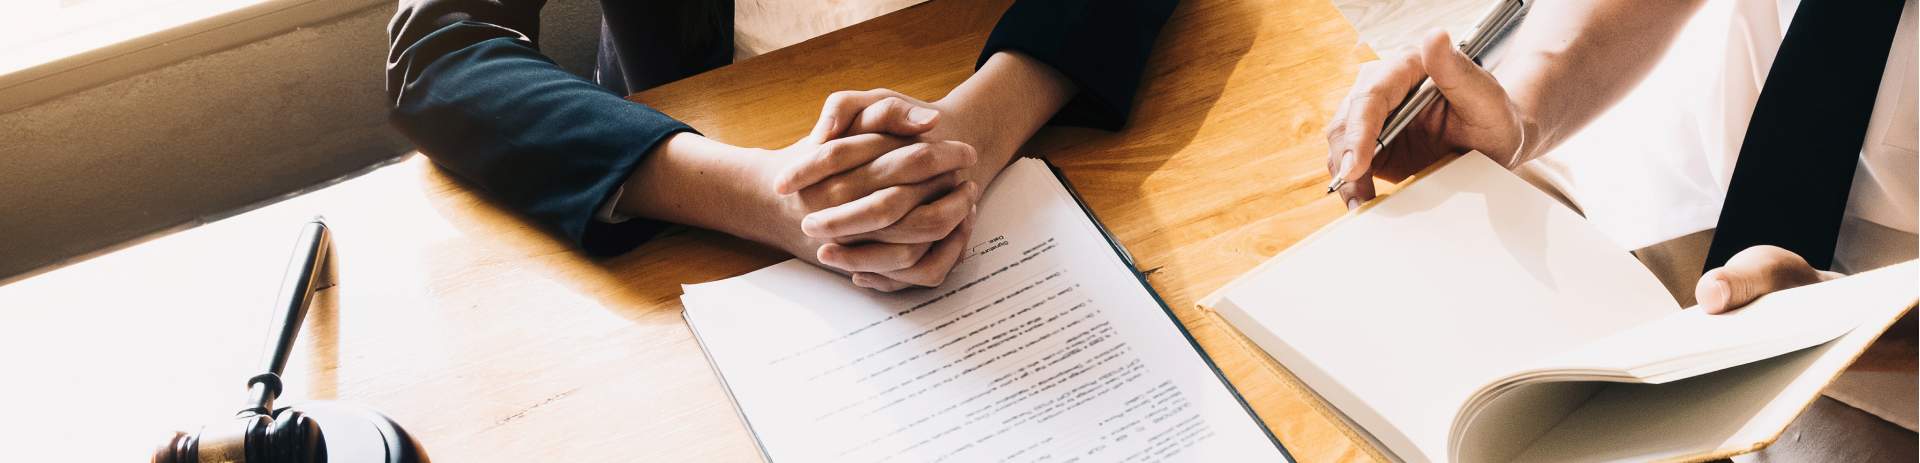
[1470, 317]
[1044, 344]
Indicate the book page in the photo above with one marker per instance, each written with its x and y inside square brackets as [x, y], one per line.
[1691, 342]
[1690, 384]
[1042, 345]
[1398, 312]
[1726, 412]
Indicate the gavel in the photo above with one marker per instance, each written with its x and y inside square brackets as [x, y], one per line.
[314, 432]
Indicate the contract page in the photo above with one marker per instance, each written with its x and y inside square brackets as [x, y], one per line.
[1041, 346]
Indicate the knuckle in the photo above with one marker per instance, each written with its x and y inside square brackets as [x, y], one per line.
[833, 150]
[962, 153]
[897, 198]
[815, 197]
[921, 158]
[902, 257]
[838, 191]
[918, 276]
[919, 232]
[1769, 250]
[811, 199]
[927, 279]
[934, 273]
[1373, 94]
[922, 228]
[947, 218]
[838, 99]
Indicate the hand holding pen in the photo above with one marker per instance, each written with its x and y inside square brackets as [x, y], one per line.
[1395, 121]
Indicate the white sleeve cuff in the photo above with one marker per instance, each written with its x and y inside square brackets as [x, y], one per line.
[607, 213]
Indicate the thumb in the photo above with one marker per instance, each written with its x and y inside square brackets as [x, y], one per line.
[1473, 94]
[895, 116]
[1752, 273]
[1465, 84]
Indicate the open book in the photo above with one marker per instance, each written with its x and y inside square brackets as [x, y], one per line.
[1043, 345]
[1470, 317]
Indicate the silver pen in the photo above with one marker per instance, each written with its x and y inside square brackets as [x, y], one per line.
[1502, 19]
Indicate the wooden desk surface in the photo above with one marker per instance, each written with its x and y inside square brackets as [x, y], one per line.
[492, 341]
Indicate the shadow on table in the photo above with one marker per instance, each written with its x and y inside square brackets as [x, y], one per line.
[1183, 83]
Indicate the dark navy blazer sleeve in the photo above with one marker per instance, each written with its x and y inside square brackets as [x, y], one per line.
[1099, 45]
[469, 87]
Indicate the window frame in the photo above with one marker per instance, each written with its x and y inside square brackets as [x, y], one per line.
[29, 80]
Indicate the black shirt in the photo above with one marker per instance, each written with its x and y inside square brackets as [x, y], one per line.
[468, 85]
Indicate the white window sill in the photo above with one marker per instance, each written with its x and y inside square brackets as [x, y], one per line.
[78, 47]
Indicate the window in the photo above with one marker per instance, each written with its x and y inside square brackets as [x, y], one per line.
[58, 46]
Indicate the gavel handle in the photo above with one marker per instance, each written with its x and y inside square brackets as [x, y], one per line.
[304, 268]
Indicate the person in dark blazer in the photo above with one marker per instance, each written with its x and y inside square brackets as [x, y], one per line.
[882, 189]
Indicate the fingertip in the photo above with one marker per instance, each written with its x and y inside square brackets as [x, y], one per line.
[1438, 38]
[793, 178]
[973, 191]
[799, 175]
[833, 128]
[922, 116]
[824, 130]
[896, 116]
[1356, 193]
[972, 154]
[783, 184]
[1442, 58]
[814, 226]
[829, 254]
[1348, 159]
[1713, 294]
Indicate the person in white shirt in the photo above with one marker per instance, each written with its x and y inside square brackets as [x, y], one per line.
[1656, 172]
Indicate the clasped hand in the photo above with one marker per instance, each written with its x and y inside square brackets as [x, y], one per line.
[876, 199]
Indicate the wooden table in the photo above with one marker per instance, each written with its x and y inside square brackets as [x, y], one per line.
[492, 341]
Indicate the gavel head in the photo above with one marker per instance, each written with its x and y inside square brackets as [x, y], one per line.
[287, 436]
[311, 432]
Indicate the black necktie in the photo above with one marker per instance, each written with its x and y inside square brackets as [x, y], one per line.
[1790, 184]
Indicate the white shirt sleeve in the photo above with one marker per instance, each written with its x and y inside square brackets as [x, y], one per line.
[607, 214]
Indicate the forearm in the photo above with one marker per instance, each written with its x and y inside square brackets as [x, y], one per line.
[538, 140]
[1002, 105]
[1066, 62]
[1572, 60]
[692, 180]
